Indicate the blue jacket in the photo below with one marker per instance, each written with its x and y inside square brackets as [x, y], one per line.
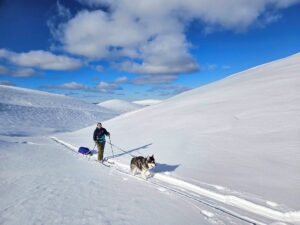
[99, 135]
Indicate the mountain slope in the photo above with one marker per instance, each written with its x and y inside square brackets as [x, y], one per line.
[241, 133]
[27, 112]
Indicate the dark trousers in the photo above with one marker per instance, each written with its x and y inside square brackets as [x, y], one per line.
[100, 147]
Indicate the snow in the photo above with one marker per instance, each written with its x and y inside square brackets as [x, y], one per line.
[228, 199]
[120, 106]
[26, 112]
[48, 184]
[226, 153]
[147, 102]
[241, 133]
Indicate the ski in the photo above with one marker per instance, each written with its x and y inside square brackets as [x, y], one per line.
[104, 164]
[108, 161]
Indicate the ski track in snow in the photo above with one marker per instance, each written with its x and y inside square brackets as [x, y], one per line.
[185, 189]
[42, 185]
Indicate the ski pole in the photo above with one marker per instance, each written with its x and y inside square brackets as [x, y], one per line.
[111, 147]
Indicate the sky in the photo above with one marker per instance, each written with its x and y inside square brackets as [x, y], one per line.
[96, 50]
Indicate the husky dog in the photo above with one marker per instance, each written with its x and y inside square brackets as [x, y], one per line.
[142, 165]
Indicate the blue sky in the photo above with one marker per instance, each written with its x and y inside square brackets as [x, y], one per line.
[131, 49]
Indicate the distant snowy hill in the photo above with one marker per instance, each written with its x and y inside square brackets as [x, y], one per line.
[147, 102]
[120, 106]
[241, 133]
[28, 112]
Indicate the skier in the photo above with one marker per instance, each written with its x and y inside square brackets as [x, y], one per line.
[99, 138]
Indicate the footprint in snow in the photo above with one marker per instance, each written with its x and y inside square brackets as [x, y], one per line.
[163, 190]
[207, 213]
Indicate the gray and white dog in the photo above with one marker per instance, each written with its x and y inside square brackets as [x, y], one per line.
[142, 165]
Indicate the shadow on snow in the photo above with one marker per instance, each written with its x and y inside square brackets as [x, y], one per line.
[159, 168]
[162, 168]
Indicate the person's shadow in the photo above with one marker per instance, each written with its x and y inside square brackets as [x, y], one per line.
[162, 168]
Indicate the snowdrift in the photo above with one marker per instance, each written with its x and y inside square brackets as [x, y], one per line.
[240, 134]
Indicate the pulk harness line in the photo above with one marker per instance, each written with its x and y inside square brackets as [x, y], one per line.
[122, 150]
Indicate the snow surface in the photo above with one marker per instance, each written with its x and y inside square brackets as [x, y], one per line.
[26, 112]
[241, 133]
[43, 183]
[120, 106]
[147, 102]
[227, 153]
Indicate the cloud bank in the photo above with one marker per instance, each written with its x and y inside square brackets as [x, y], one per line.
[102, 87]
[41, 60]
[149, 37]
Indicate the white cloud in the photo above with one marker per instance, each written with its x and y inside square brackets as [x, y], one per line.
[153, 79]
[74, 86]
[106, 87]
[61, 14]
[102, 87]
[226, 67]
[151, 33]
[23, 72]
[7, 83]
[3, 70]
[141, 80]
[63, 11]
[121, 80]
[99, 68]
[161, 46]
[68, 86]
[94, 34]
[168, 89]
[41, 60]
[165, 54]
[17, 72]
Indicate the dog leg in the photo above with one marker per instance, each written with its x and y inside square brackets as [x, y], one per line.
[144, 175]
[133, 171]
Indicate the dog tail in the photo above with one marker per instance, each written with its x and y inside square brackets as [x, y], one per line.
[132, 164]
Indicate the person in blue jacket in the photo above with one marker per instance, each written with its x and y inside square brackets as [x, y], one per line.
[99, 138]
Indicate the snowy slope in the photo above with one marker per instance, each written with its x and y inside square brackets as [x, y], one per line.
[43, 183]
[27, 112]
[239, 136]
[147, 102]
[120, 106]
